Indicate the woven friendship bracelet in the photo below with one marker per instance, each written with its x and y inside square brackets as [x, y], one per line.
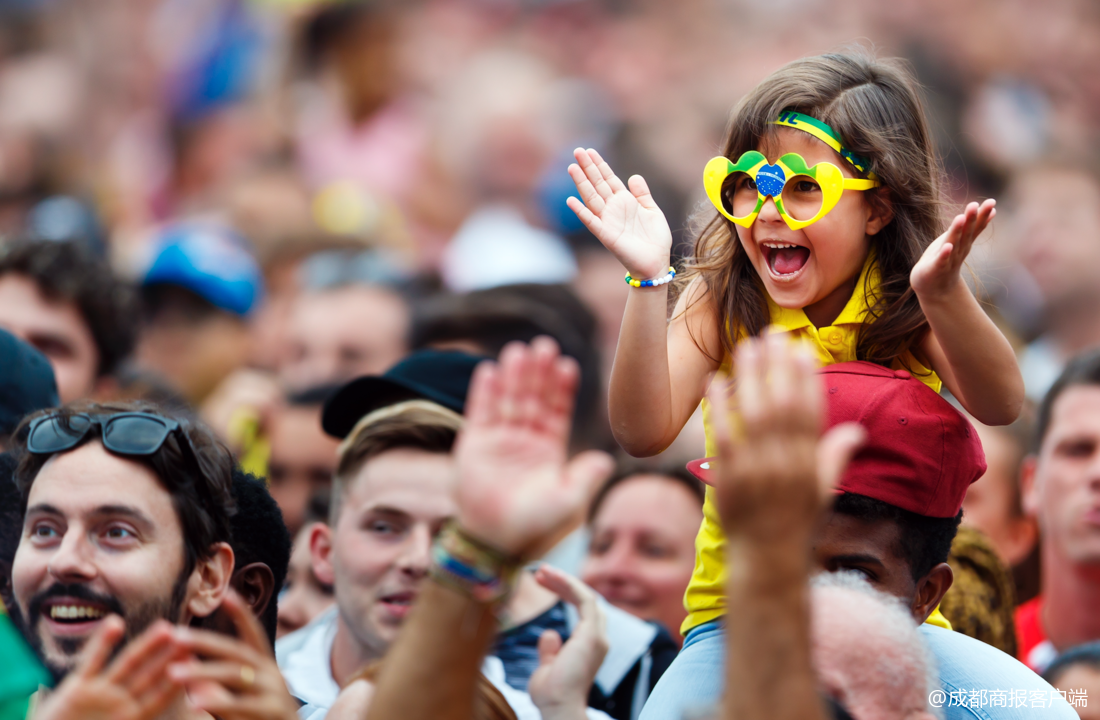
[655, 282]
[472, 567]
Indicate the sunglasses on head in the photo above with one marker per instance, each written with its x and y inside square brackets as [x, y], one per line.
[125, 433]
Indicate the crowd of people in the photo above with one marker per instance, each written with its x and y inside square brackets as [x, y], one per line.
[322, 394]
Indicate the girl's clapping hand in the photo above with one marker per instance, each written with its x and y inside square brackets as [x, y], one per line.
[939, 268]
[623, 217]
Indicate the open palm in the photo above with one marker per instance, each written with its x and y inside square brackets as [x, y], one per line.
[941, 264]
[625, 219]
[517, 491]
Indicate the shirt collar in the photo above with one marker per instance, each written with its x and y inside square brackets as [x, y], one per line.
[854, 312]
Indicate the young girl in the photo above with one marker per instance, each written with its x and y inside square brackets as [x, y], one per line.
[844, 256]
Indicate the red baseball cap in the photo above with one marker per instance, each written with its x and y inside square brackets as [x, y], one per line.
[921, 454]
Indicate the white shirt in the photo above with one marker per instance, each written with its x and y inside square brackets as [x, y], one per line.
[305, 659]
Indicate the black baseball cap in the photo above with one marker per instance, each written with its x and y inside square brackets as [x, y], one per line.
[27, 383]
[442, 376]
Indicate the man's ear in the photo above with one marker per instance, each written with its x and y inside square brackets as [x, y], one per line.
[1029, 495]
[320, 553]
[255, 583]
[880, 210]
[209, 582]
[931, 589]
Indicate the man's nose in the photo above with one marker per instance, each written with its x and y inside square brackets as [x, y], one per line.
[72, 560]
[616, 563]
[416, 556]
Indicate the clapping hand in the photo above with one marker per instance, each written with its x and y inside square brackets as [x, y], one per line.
[134, 686]
[940, 265]
[234, 678]
[518, 491]
[559, 686]
[623, 216]
[775, 477]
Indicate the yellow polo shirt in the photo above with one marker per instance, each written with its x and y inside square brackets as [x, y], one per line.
[705, 597]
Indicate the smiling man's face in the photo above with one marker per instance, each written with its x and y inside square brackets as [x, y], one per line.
[100, 536]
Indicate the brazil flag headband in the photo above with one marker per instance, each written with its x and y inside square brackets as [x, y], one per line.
[824, 133]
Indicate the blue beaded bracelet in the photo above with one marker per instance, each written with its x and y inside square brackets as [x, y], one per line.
[655, 282]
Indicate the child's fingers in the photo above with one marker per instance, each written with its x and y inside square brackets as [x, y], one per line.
[592, 172]
[586, 216]
[606, 172]
[640, 190]
[585, 189]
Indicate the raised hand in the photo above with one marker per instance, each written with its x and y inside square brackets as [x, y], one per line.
[938, 270]
[625, 219]
[134, 686]
[776, 476]
[517, 491]
[559, 686]
[237, 678]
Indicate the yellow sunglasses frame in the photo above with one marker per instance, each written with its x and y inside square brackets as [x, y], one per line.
[827, 175]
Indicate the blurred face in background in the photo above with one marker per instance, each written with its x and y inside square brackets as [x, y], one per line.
[339, 334]
[1057, 220]
[642, 551]
[191, 343]
[992, 504]
[1062, 485]
[304, 596]
[302, 460]
[56, 329]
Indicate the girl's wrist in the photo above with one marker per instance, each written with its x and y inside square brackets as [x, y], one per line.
[945, 295]
[652, 282]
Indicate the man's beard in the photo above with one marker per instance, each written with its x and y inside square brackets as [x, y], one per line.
[137, 619]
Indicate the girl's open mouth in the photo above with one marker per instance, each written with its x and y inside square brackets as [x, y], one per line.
[785, 258]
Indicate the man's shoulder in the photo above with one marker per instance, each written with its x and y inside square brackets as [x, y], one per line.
[978, 680]
[303, 658]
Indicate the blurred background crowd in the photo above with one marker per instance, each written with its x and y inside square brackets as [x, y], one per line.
[248, 203]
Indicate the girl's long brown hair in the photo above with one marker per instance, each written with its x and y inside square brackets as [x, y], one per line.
[876, 108]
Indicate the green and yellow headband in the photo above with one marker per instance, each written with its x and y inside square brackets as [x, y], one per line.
[802, 194]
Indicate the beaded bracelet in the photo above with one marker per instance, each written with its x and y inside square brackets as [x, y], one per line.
[472, 567]
[656, 282]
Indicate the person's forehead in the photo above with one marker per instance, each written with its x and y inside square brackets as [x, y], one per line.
[841, 534]
[415, 482]
[783, 140]
[646, 500]
[80, 482]
[25, 310]
[296, 434]
[1075, 412]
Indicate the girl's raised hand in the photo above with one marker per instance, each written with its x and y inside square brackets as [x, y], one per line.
[939, 268]
[625, 219]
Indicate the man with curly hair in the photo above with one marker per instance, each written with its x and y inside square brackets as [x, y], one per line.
[67, 303]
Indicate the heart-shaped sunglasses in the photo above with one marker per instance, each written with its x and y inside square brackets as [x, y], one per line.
[802, 195]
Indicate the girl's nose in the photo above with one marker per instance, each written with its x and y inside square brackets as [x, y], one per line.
[769, 212]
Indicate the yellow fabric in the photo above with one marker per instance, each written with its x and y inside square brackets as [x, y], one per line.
[246, 434]
[705, 595]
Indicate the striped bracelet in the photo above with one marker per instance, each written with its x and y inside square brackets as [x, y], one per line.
[655, 282]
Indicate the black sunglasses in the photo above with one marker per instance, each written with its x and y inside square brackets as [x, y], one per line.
[126, 433]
